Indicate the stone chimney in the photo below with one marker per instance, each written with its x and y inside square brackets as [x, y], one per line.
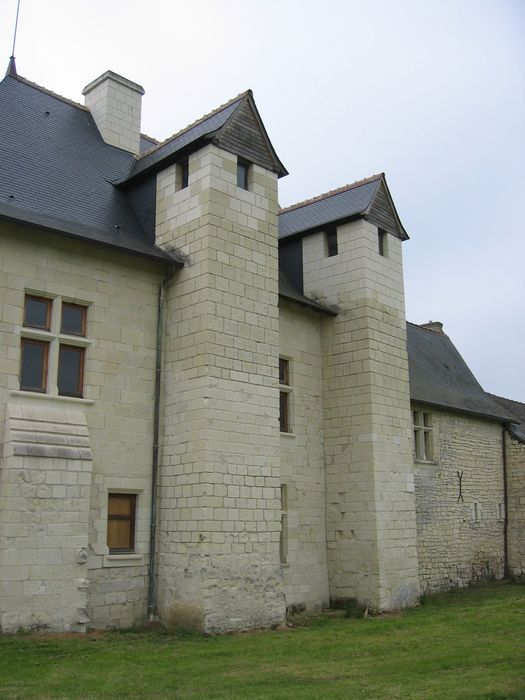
[115, 104]
[435, 326]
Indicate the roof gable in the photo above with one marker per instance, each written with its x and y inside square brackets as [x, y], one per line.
[235, 126]
[382, 212]
[244, 134]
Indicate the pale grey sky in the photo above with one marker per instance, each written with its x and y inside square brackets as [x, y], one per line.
[430, 91]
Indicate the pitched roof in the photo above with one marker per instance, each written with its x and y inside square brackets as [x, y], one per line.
[350, 201]
[210, 127]
[288, 291]
[439, 376]
[56, 172]
[516, 409]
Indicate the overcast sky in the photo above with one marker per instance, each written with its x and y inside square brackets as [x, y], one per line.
[432, 92]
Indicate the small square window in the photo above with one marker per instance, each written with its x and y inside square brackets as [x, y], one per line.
[422, 423]
[37, 312]
[70, 370]
[73, 319]
[243, 169]
[121, 522]
[184, 173]
[33, 368]
[382, 240]
[331, 242]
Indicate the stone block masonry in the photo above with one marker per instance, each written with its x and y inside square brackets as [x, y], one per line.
[460, 500]
[220, 477]
[515, 453]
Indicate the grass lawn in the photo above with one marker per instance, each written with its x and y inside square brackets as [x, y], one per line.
[466, 644]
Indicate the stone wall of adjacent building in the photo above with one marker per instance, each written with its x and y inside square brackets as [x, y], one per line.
[460, 503]
[302, 462]
[220, 479]
[53, 501]
[371, 527]
[515, 455]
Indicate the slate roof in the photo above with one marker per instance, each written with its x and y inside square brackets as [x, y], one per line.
[517, 409]
[56, 172]
[343, 203]
[205, 128]
[288, 291]
[439, 376]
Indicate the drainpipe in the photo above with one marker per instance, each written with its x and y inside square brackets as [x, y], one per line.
[155, 455]
[505, 502]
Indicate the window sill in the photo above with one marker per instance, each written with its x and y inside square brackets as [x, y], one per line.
[428, 462]
[123, 560]
[285, 565]
[52, 397]
[288, 435]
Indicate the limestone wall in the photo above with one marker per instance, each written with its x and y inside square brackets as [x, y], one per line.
[460, 538]
[220, 476]
[46, 493]
[371, 528]
[302, 461]
[515, 451]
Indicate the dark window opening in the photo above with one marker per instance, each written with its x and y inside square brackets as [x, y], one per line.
[33, 369]
[284, 411]
[70, 370]
[37, 312]
[121, 522]
[382, 242]
[184, 173]
[242, 174]
[331, 242]
[283, 371]
[73, 319]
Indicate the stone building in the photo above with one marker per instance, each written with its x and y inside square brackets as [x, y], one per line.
[208, 406]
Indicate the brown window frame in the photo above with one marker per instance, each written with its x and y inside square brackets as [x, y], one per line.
[83, 310]
[45, 344]
[284, 396]
[82, 352]
[131, 518]
[48, 302]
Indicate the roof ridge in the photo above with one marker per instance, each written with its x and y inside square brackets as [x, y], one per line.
[149, 138]
[504, 398]
[195, 123]
[331, 193]
[430, 330]
[46, 91]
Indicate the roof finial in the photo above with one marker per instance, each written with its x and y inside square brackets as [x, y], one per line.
[11, 68]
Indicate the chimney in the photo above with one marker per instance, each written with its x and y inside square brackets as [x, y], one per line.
[435, 326]
[115, 104]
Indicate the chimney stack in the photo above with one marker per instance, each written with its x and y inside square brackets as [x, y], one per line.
[115, 104]
[435, 326]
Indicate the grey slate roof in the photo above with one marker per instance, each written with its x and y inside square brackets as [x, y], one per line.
[56, 171]
[353, 200]
[517, 410]
[439, 376]
[288, 291]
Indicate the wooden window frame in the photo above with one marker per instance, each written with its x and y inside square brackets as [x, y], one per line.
[47, 301]
[83, 310]
[423, 434]
[45, 345]
[131, 519]
[331, 242]
[284, 395]
[82, 352]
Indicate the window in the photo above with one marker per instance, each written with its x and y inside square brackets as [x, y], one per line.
[184, 169]
[121, 522]
[37, 312]
[283, 541]
[33, 366]
[331, 247]
[51, 360]
[243, 170]
[382, 240]
[284, 395]
[422, 435]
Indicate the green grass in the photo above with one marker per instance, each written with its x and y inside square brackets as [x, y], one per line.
[466, 644]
